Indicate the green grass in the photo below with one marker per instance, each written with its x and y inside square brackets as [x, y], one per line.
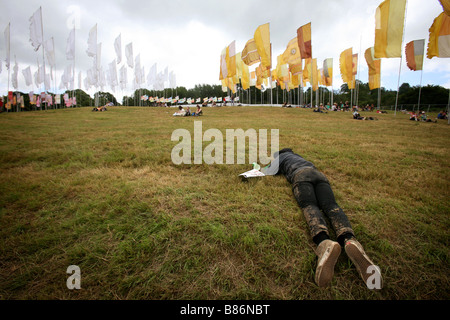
[99, 190]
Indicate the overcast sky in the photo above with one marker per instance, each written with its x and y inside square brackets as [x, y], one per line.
[188, 36]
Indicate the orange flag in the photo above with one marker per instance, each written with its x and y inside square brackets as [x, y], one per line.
[304, 41]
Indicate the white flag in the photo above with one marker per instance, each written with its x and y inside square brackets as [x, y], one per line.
[47, 82]
[123, 78]
[118, 48]
[92, 42]
[137, 69]
[151, 77]
[70, 49]
[166, 74]
[36, 37]
[27, 75]
[8, 46]
[99, 56]
[50, 52]
[38, 75]
[173, 80]
[15, 73]
[129, 54]
[113, 74]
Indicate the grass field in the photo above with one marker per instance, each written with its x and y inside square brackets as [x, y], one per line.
[100, 191]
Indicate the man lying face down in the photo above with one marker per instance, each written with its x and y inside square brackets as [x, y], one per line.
[316, 199]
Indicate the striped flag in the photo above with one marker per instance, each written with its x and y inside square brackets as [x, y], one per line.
[374, 69]
[446, 5]
[439, 40]
[414, 54]
[328, 72]
[304, 41]
[389, 22]
[250, 53]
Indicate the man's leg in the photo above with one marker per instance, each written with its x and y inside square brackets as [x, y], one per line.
[337, 216]
[327, 251]
[345, 235]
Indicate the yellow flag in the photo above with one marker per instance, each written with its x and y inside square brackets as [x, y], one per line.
[355, 64]
[439, 40]
[292, 53]
[374, 69]
[250, 53]
[314, 73]
[389, 22]
[262, 40]
[446, 5]
[328, 71]
[239, 64]
[280, 62]
[245, 80]
[223, 65]
[346, 66]
[231, 59]
[307, 71]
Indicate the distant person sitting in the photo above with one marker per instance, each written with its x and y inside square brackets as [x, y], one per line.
[413, 116]
[424, 117]
[100, 109]
[442, 115]
[198, 112]
[180, 113]
[285, 105]
[357, 116]
[188, 112]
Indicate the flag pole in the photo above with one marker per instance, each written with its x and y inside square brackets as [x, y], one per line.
[401, 58]
[43, 50]
[448, 106]
[420, 89]
[9, 60]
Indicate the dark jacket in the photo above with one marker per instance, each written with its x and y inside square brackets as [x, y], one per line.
[287, 162]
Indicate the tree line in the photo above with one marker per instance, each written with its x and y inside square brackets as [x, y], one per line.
[436, 96]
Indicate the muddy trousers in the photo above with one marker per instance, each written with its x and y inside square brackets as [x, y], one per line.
[315, 197]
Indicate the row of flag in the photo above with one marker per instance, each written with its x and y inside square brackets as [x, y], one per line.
[188, 100]
[292, 72]
[97, 76]
[38, 99]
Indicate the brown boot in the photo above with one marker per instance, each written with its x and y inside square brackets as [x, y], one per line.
[327, 252]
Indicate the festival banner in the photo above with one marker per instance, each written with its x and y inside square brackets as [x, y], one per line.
[389, 23]
[374, 69]
[414, 52]
[304, 41]
[262, 40]
[439, 39]
[250, 53]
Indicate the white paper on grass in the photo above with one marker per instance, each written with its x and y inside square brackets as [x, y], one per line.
[252, 174]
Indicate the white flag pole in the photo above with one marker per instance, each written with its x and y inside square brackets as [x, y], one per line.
[401, 59]
[43, 50]
[9, 58]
